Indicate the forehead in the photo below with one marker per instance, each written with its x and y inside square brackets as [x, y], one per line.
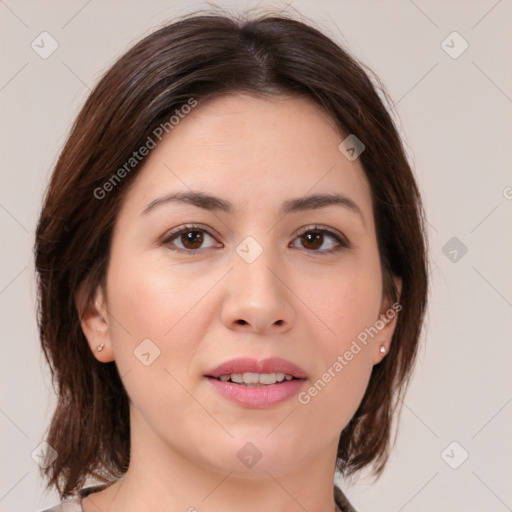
[252, 151]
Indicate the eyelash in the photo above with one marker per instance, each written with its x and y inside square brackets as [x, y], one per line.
[343, 243]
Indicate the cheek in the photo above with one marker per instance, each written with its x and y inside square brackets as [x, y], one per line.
[153, 299]
[149, 302]
[338, 386]
[153, 337]
[336, 390]
[349, 304]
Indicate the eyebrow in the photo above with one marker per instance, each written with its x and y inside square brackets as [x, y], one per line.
[213, 203]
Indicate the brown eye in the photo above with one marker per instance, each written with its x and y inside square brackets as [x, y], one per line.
[189, 239]
[313, 238]
[194, 238]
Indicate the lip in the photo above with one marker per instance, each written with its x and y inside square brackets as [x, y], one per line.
[269, 365]
[259, 397]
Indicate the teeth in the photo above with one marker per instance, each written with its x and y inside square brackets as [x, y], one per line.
[267, 378]
[254, 379]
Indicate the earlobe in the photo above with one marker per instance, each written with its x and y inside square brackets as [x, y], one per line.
[93, 316]
[380, 350]
[388, 318]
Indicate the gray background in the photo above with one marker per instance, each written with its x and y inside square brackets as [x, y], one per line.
[455, 114]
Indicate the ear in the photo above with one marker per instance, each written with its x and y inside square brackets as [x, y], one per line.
[386, 323]
[92, 311]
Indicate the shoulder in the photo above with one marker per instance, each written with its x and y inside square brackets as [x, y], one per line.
[74, 502]
[65, 506]
[342, 501]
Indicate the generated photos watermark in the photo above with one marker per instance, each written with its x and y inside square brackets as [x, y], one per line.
[344, 359]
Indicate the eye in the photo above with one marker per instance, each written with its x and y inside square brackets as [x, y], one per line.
[190, 237]
[313, 237]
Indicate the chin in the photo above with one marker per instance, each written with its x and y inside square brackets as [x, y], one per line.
[256, 457]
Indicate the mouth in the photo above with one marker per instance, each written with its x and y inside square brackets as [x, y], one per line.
[252, 379]
[253, 372]
[257, 384]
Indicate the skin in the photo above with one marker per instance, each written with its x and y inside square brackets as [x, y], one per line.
[255, 153]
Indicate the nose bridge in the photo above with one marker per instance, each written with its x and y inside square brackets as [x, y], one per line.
[256, 264]
[256, 293]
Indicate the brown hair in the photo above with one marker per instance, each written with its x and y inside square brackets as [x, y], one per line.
[200, 56]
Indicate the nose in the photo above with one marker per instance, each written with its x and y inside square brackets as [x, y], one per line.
[258, 296]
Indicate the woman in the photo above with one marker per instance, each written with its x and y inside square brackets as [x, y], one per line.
[232, 275]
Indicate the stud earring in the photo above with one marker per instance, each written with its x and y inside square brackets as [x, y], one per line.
[382, 350]
[99, 348]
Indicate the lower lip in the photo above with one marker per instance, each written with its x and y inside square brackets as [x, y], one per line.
[260, 397]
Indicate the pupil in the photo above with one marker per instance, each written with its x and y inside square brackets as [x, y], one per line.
[316, 238]
[192, 237]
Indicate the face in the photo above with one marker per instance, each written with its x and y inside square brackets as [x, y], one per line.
[253, 275]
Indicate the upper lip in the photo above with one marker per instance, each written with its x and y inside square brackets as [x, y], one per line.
[247, 364]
